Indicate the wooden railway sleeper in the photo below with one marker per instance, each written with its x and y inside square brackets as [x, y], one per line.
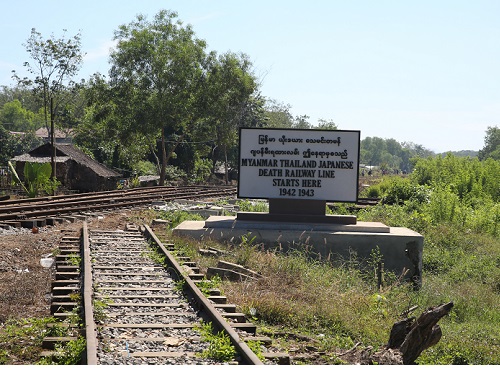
[236, 320]
[65, 286]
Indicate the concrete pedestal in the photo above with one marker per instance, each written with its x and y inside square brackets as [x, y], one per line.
[401, 248]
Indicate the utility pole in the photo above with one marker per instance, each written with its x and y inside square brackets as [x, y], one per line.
[52, 140]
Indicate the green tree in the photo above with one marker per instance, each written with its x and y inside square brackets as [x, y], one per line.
[229, 85]
[55, 63]
[15, 118]
[15, 144]
[6, 146]
[105, 132]
[301, 122]
[491, 144]
[277, 114]
[160, 63]
[327, 124]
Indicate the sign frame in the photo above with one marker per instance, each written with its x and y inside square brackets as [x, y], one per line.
[299, 164]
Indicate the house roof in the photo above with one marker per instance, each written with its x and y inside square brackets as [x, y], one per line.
[65, 152]
[58, 133]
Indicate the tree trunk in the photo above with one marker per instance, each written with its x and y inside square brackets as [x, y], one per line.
[226, 169]
[166, 157]
[423, 333]
[407, 340]
[163, 157]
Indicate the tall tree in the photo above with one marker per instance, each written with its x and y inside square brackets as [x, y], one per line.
[278, 114]
[161, 60]
[55, 62]
[327, 124]
[229, 85]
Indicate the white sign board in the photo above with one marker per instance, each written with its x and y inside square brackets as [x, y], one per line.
[299, 164]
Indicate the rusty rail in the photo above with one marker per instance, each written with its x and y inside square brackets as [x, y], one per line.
[248, 356]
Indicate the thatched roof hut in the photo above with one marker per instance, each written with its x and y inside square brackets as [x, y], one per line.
[74, 169]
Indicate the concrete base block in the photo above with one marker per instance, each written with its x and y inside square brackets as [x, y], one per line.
[401, 248]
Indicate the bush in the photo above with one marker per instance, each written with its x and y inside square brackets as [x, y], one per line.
[144, 168]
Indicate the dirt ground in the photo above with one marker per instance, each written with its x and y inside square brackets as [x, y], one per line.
[24, 283]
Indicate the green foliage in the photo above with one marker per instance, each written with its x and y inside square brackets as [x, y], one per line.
[461, 191]
[70, 353]
[390, 154]
[206, 285]
[491, 147]
[74, 259]
[202, 170]
[397, 190]
[220, 348]
[174, 173]
[156, 255]
[143, 167]
[467, 178]
[14, 116]
[158, 64]
[245, 249]
[13, 145]
[22, 339]
[256, 347]
[252, 206]
[37, 179]
[177, 217]
[99, 307]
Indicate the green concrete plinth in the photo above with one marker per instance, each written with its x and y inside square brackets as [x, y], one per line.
[401, 248]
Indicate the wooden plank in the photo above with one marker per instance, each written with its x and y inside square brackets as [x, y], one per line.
[134, 289]
[160, 354]
[148, 325]
[162, 305]
[159, 296]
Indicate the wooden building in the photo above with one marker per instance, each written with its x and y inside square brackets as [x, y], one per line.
[74, 169]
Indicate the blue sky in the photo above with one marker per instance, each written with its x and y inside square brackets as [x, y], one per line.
[422, 71]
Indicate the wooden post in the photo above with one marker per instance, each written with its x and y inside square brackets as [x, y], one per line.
[52, 140]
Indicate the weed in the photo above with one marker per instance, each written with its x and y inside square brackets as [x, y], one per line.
[155, 255]
[206, 285]
[74, 259]
[252, 206]
[69, 353]
[99, 307]
[22, 339]
[256, 347]
[220, 347]
[176, 217]
[179, 285]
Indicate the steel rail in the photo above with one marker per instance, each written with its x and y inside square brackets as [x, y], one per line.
[108, 201]
[90, 328]
[104, 194]
[248, 356]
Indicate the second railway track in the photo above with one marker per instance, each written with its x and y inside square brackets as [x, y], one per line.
[39, 211]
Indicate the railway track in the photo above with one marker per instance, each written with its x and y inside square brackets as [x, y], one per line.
[142, 306]
[43, 211]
